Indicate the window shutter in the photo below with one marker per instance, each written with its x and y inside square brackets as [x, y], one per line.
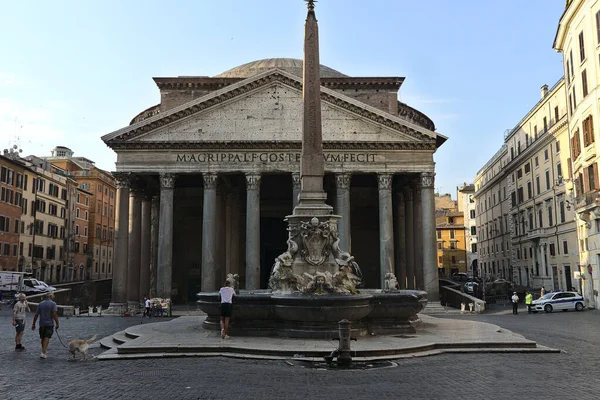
[596, 182]
[570, 168]
[586, 180]
[591, 129]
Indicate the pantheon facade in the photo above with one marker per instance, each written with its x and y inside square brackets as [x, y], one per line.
[207, 177]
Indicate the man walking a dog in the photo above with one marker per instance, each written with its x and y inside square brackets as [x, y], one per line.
[19, 312]
[47, 312]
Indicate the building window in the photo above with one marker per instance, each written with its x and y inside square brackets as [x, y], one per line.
[451, 233]
[472, 213]
[439, 246]
[527, 168]
[584, 86]
[581, 47]
[588, 131]
[439, 234]
[473, 231]
[575, 145]
[547, 179]
[562, 211]
[550, 220]
[540, 218]
[552, 250]
[559, 171]
[565, 247]
[556, 115]
[529, 191]
[473, 247]
[519, 173]
[557, 144]
[592, 174]
[440, 260]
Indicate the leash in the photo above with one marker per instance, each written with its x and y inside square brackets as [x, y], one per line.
[59, 339]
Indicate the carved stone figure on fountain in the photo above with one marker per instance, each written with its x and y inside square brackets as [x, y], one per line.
[344, 259]
[283, 279]
[320, 283]
[234, 281]
[390, 282]
[345, 281]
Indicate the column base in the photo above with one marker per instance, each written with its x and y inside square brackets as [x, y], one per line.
[133, 307]
[434, 307]
[115, 309]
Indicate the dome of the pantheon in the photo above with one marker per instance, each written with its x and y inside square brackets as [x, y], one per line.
[291, 65]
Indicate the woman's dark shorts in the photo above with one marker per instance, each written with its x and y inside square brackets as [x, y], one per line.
[226, 309]
[46, 331]
[20, 327]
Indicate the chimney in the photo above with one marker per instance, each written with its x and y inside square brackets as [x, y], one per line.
[544, 91]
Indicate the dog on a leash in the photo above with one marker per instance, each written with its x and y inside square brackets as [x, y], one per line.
[80, 346]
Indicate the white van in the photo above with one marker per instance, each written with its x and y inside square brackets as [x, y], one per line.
[12, 281]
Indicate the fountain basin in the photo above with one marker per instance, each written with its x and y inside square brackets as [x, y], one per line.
[394, 311]
[263, 313]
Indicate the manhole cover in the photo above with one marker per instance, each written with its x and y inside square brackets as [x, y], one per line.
[152, 373]
[361, 365]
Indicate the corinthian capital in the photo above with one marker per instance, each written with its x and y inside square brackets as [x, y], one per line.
[253, 181]
[342, 181]
[384, 181]
[122, 179]
[427, 179]
[167, 181]
[210, 180]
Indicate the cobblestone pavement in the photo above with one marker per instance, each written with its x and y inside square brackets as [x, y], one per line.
[569, 375]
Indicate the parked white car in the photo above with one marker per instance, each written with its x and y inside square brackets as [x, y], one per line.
[559, 301]
[31, 286]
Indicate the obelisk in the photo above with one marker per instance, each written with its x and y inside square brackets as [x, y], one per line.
[312, 163]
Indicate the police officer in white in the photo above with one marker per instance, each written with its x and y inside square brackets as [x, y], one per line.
[515, 303]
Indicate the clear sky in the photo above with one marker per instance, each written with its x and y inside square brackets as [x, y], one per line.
[72, 71]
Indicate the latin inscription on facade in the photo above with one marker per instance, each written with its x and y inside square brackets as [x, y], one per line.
[251, 157]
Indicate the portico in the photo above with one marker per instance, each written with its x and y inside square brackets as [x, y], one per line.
[223, 170]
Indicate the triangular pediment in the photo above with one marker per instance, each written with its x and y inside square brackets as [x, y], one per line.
[268, 108]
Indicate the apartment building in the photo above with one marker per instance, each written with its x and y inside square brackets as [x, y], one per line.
[12, 182]
[99, 188]
[578, 39]
[465, 202]
[452, 256]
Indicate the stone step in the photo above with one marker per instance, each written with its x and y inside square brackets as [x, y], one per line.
[120, 338]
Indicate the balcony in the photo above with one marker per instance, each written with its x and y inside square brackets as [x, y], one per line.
[538, 233]
[587, 200]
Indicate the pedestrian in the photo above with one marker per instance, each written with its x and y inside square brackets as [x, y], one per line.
[147, 306]
[226, 293]
[529, 302]
[515, 303]
[542, 291]
[19, 312]
[47, 312]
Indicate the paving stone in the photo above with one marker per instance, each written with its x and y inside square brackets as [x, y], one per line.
[448, 376]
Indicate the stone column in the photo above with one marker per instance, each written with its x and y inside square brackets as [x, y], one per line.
[430, 269]
[295, 187]
[252, 231]
[154, 216]
[543, 257]
[145, 246]
[164, 268]
[209, 232]
[342, 208]
[418, 223]
[401, 241]
[119, 282]
[410, 237]
[386, 227]
[134, 248]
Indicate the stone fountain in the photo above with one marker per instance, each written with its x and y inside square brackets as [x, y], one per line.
[314, 284]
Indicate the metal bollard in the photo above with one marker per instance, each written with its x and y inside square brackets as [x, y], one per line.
[99, 311]
[470, 307]
[462, 308]
[90, 311]
[77, 311]
[344, 356]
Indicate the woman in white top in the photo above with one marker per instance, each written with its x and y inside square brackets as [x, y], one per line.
[226, 293]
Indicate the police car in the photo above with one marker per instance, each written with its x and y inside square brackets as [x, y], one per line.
[559, 301]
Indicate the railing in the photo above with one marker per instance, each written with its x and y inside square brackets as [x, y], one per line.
[587, 199]
[537, 233]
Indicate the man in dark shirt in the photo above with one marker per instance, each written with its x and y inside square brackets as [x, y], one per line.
[47, 312]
